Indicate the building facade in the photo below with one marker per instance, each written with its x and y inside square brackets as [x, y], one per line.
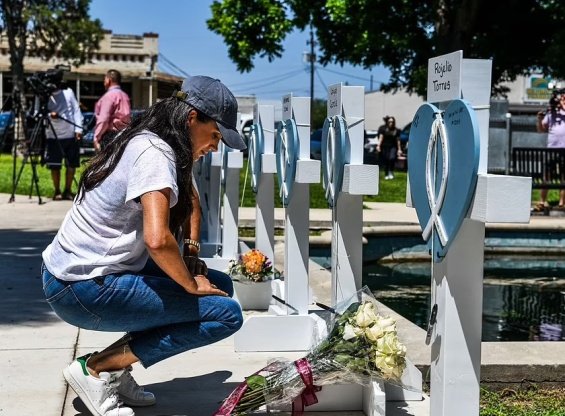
[527, 95]
[136, 57]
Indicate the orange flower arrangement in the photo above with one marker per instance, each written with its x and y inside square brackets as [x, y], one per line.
[253, 265]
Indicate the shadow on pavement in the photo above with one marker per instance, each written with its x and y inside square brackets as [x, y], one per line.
[191, 396]
[21, 291]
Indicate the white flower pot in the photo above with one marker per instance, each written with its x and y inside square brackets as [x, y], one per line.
[253, 295]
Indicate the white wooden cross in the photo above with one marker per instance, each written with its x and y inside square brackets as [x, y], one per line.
[261, 157]
[346, 179]
[217, 179]
[441, 164]
[207, 175]
[290, 327]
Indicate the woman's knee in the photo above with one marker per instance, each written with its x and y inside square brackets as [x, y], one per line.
[221, 280]
[232, 317]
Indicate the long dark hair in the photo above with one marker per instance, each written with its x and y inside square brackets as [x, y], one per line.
[168, 119]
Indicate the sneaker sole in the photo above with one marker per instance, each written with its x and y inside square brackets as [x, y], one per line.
[80, 392]
[135, 403]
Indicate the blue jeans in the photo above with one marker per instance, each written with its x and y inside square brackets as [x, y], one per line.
[160, 316]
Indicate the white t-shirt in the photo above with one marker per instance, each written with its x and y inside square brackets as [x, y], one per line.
[65, 104]
[555, 124]
[103, 234]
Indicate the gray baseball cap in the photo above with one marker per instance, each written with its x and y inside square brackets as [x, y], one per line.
[215, 100]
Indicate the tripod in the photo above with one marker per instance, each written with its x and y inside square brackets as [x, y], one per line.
[35, 145]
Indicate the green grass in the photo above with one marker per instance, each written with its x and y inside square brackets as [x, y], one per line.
[389, 191]
[46, 188]
[523, 402]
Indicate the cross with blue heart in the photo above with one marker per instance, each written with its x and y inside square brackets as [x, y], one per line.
[442, 165]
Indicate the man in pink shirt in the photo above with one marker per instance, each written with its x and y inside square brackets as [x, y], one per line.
[112, 111]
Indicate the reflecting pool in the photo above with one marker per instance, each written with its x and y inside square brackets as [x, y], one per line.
[516, 307]
[523, 297]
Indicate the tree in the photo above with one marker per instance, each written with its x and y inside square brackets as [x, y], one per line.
[519, 35]
[48, 28]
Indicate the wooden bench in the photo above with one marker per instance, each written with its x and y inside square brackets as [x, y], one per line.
[546, 166]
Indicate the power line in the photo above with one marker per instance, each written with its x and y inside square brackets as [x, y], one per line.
[270, 83]
[286, 91]
[320, 78]
[244, 83]
[172, 64]
[169, 68]
[348, 75]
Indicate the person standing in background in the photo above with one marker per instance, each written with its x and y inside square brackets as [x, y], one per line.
[389, 146]
[112, 110]
[63, 137]
[553, 123]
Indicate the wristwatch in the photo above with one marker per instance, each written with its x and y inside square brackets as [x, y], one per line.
[193, 243]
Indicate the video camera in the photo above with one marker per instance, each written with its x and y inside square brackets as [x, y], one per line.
[45, 83]
[555, 97]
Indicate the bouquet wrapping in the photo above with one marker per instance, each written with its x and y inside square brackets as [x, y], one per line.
[361, 346]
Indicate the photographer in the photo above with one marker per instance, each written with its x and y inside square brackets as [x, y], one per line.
[63, 134]
[553, 123]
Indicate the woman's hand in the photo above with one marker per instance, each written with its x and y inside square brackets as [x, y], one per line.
[195, 265]
[204, 287]
[163, 247]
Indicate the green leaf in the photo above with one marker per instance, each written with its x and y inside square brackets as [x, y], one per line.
[256, 382]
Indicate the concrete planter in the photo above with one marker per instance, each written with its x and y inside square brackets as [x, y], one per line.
[253, 295]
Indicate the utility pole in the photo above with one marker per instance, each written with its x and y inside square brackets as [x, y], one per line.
[312, 59]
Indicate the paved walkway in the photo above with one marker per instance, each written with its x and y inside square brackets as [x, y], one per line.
[36, 345]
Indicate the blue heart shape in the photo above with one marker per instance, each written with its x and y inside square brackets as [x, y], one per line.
[443, 172]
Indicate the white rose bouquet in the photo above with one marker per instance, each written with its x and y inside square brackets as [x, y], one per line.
[362, 345]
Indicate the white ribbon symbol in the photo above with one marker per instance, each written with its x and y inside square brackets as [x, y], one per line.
[438, 130]
[330, 158]
[252, 155]
[285, 162]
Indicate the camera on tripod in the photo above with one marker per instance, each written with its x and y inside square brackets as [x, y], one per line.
[555, 97]
[45, 83]
[37, 121]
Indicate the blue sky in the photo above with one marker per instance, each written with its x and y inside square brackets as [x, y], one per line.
[185, 41]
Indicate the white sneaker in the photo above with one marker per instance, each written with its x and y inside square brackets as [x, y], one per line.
[98, 394]
[132, 393]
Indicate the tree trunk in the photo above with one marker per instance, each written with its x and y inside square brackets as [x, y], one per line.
[16, 28]
[456, 23]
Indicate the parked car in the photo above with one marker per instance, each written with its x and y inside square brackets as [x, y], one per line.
[404, 136]
[316, 144]
[6, 131]
[369, 151]
[88, 125]
[245, 123]
[370, 155]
